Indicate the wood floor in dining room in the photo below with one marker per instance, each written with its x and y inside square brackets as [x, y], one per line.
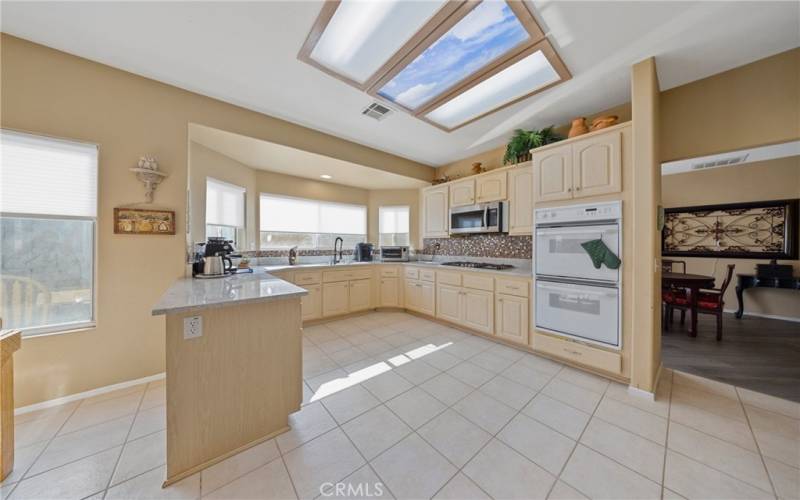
[757, 353]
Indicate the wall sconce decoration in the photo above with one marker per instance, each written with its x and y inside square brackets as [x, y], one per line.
[148, 173]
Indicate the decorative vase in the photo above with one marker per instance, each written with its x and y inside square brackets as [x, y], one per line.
[604, 121]
[477, 168]
[578, 127]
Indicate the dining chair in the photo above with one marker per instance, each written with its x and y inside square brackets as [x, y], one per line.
[668, 266]
[709, 301]
[23, 300]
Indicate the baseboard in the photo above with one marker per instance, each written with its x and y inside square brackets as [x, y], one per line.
[641, 393]
[87, 394]
[769, 316]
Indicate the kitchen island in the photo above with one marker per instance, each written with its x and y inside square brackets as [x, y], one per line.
[233, 366]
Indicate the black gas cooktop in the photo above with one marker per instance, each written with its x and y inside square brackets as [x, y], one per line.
[478, 265]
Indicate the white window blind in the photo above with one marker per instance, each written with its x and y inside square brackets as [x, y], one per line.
[297, 215]
[224, 203]
[393, 225]
[44, 176]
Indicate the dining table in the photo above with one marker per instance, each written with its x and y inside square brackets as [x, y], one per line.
[692, 282]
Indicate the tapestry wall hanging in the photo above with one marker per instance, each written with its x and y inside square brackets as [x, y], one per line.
[755, 230]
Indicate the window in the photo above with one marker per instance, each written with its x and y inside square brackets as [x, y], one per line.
[425, 57]
[224, 210]
[48, 219]
[309, 224]
[393, 225]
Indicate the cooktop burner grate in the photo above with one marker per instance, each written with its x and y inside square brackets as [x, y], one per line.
[478, 265]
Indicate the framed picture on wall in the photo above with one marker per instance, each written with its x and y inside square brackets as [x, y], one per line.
[754, 230]
[140, 221]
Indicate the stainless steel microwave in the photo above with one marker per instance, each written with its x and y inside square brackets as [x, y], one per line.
[481, 218]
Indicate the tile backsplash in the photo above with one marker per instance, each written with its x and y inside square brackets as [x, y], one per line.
[481, 245]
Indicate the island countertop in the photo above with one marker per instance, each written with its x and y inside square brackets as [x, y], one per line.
[188, 294]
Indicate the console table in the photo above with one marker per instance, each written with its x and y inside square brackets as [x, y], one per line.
[746, 281]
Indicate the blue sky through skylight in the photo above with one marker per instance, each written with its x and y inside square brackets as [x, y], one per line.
[486, 33]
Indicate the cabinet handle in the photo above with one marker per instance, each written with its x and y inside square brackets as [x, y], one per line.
[569, 190]
[577, 188]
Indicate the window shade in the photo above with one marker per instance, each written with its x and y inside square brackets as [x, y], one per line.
[224, 203]
[297, 215]
[45, 176]
[393, 219]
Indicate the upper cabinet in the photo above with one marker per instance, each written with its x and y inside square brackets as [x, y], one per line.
[584, 167]
[462, 193]
[520, 200]
[490, 187]
[434, 212]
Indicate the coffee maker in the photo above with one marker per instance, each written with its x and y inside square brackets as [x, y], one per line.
[216, 246]
[363, 252]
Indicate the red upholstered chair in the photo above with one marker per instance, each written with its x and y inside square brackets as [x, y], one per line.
[669, 266]
[711, 301]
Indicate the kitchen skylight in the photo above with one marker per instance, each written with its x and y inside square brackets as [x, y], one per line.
[446, 62]
[488, 32]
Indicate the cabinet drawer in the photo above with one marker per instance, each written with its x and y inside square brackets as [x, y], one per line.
[513, 287]
[427, 275]
[478, 282]
[578, 353]
[307, 277]
[283, 275]
[332, 276]
[412, 273]
[446, 278]
[389, 272]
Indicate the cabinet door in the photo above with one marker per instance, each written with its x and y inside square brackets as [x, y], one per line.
[390, 295]
[597, 165]
[553, 174]
[520, 201]
[312, 303]
[462, 193]
[478, 312]
[511, 322]
[335, 299]
[435, 217]
[448, 303]
[411, 294]
[427, 298]
[491, 187]
[359, 295]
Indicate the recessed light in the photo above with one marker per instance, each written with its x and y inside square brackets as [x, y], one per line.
[326, 176]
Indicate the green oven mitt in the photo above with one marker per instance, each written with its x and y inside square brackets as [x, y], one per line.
[601, 254]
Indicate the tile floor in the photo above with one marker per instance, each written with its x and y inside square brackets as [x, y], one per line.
[398, 406]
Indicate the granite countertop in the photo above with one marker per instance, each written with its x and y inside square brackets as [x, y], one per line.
[189, 294]
[522, 272]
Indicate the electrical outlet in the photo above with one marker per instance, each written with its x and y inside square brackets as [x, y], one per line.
[192, 327]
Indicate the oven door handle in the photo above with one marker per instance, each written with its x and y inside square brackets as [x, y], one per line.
[592, 231]
[612, 292]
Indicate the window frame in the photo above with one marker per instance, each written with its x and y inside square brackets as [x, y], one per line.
[62, 328]
[447, 17]
[380, 218]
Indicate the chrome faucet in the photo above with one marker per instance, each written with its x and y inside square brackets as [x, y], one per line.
[337, 242]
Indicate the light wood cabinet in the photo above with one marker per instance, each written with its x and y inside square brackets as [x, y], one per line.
[491, 187]
[420, 297]
[578, 353]
[462, 193]
[359, 295]
[585, 167]
[511, 320]
[448, 303]
[390, 292]
[435, 212]
[478, 310]
[597, 165]
[520, 200]
[411, 297]
[311, 304]
[335, 298]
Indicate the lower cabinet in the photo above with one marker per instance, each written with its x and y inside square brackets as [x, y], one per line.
[335, 299]
[312, 303]
[419, 297]
[511, 318]
[359, 292]
[471, 308]
[390, 292]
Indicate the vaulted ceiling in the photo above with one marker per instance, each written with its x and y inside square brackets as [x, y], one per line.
[245, 53]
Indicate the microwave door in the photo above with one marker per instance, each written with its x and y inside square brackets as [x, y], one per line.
[468, 221]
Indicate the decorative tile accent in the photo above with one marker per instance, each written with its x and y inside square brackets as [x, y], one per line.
[481, 245]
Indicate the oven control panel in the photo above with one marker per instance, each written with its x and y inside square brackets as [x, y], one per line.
[580, 213]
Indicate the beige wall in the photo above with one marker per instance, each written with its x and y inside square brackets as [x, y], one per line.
[391, 197]
[769, 180]
[49, 92]
[751, 105]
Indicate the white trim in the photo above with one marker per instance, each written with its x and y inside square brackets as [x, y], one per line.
[87, 394]
[793, 319]
[641, 393]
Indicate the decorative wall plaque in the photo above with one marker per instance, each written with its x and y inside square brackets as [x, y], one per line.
[756, 230]
[138, 221]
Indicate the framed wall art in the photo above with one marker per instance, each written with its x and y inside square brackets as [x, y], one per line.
[143, 221]
[754, 230]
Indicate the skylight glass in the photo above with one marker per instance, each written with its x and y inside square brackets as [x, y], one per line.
[489, 31]
[362, 35]
[521, 78]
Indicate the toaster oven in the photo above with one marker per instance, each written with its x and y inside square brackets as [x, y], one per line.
[394, 254]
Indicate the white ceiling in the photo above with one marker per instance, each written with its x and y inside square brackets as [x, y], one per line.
[246, 53]
[264, 155]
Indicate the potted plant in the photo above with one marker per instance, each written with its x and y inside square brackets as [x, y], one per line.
[521, 143]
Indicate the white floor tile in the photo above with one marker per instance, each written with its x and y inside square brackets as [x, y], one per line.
[441, 359]
[270, 481]
[140, 456]
[645, 424]
[416, 407]
[147, 486]
[23, 458]
[149, 421]
[490, 361]
[375, 431]
[560, 416]
[509, 392]
[538, 443]
[471, 374]
[484, 411]
[311, 421]
[350, 403]
[95, 413]
[327, 459]
[785, 479]
[573, 395]
[629, 449]
[461, 488]
[770, 403]
[222, 473]
[600, 477]
[413, 469]
[387, 385]
[691, 479]
[658, 407]
[523, 374]
[728, 429]
[446, 388]
[503, 473]
[361, 484]
[417, 371]
[583, 379]
[563, 491]
[708, 401]
[455, 437]
[155, 395]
